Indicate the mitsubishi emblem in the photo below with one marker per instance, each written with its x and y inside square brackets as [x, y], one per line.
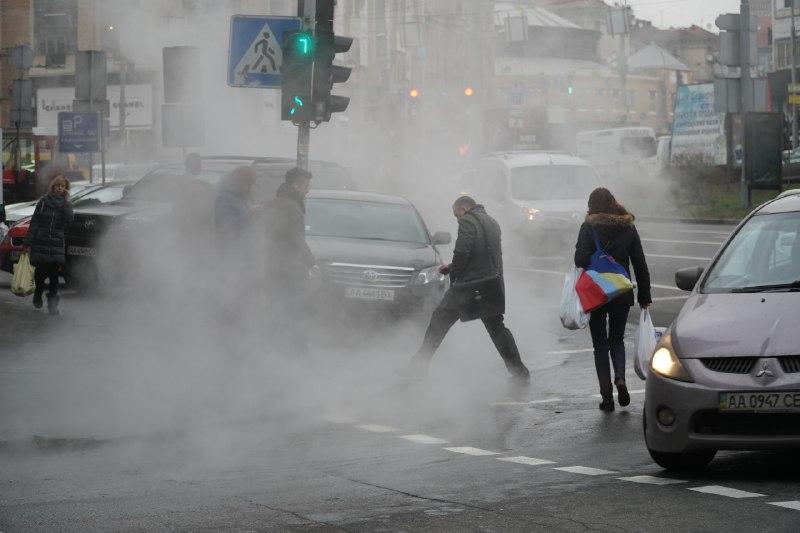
[765, 371]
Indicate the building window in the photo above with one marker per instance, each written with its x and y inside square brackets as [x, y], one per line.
[55, 30]
[631, 99]
[653, 101]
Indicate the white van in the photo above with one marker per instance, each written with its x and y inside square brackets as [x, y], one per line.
[536, 194]
[619, 149]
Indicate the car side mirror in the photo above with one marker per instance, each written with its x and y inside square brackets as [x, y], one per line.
[686, 278]
[441, 237]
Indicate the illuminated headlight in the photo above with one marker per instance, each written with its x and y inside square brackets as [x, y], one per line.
[430, 275]
[531, 214]
[666, 363]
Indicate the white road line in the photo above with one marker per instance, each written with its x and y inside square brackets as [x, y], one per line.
[669, 298]
[530, 461]
[714, 243]
[652, 480]
[565, 352]
[585, 470]
[688, 257]
[787, 505]
[375, 428]
[469, 450]
[533, 402]
[423, 439]
[719, 490]
[665, 287]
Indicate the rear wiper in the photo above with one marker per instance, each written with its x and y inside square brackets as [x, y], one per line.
[793, 286]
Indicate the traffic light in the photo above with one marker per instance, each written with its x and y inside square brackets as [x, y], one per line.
[296, 71]
[413, 93]
[468, 90]
[325, 72]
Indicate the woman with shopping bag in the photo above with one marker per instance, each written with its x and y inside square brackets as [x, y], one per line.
[45, 240]
[608, 237]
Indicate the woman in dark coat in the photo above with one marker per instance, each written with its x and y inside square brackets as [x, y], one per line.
[45, 240]
[614, 227]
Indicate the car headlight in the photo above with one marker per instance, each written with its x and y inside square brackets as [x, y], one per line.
[430, 275]
[666, 363]
[531, 213]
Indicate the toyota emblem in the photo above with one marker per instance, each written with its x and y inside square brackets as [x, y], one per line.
[89, 224]
[370, 276]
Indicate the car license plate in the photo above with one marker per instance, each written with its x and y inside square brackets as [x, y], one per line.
[365, 293]
[81, 250]
[762, 402]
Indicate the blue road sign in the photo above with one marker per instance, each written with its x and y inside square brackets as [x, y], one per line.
[78, 132]
[255, 54]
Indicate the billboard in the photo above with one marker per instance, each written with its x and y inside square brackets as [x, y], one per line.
[698, 132]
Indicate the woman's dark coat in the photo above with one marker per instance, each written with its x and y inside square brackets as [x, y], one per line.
[46, 231]
[619, 238]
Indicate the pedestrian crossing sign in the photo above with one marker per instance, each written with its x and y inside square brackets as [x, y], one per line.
[255, 54]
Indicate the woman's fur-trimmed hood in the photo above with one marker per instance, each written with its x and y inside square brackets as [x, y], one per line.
[607, 219]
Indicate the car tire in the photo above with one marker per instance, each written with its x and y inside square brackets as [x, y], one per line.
[683, 461]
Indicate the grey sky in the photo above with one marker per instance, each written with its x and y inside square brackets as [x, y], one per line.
[666, 13]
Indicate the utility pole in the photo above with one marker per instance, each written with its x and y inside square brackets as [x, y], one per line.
[794, 79]
[746, 93]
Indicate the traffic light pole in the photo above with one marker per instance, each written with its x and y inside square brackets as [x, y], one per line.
[746, 96]
[306, 10]
[793, 49]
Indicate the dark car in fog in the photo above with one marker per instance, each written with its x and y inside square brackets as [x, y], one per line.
[373, 251]
[147, 208]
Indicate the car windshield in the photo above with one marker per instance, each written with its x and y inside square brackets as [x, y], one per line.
[765, 252]
[165, 184]
[553, 182]
[364, 220]
[103, 195]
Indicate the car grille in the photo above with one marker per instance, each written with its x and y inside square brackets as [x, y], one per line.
[386, 277]
[747, 424]
[729, 365]
[790, 364]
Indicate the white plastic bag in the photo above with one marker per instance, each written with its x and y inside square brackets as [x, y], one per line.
[571, 312]
[23, 284]
[644, 343]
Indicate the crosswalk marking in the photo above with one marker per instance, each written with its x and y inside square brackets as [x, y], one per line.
[469, 450]
[719, 490]
[795, 505]
[530, 461]
[585, 470]
[652, 480]
[423, 439]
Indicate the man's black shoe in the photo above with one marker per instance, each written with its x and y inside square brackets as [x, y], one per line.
[607, 405]
[37, 301]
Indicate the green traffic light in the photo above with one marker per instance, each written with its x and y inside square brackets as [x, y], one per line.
[304, 44]
[299, 103]
[570, 90]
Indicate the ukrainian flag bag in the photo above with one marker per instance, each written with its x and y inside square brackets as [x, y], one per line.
[604, 280]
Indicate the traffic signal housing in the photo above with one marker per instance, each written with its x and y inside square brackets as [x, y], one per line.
[299, 48]
[325, 72]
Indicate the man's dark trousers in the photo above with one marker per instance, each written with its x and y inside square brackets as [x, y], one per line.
[443, 319]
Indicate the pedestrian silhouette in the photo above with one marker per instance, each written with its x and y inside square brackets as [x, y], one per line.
[266, 52]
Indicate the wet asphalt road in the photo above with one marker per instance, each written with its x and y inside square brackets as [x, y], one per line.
[134, 437]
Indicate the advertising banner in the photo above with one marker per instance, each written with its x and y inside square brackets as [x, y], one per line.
[698, 133]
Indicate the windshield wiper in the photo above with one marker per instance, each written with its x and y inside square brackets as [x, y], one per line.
[793, 286]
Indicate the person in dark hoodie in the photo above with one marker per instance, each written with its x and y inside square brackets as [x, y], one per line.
[617, 235]
[45, 240]
[288, 259]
